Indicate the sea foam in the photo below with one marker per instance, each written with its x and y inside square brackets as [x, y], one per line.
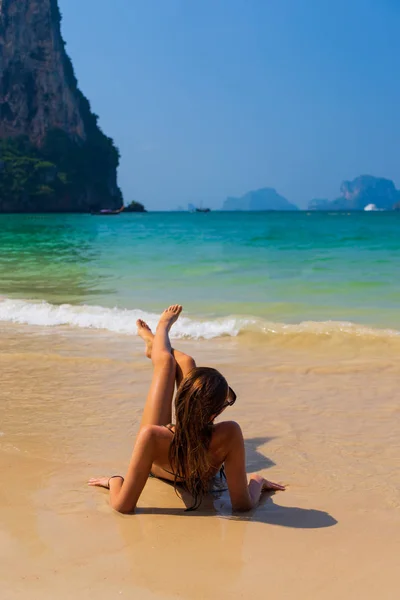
[123, 321]
[112, 319]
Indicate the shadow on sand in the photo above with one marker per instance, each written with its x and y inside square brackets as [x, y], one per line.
[267, 512]
[217, 504]
[255, 460]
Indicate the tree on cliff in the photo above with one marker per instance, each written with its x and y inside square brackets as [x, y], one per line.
[53, 155]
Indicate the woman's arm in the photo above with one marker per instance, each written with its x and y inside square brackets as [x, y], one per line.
[244, 495]
[124, 494]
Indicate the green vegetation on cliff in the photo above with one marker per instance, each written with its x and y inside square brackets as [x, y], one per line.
[25, 176]
[59, 176]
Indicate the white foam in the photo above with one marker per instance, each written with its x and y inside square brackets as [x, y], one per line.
[124, 321]
[112, 319]
[327, 328]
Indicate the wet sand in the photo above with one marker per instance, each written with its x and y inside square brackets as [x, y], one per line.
[323, 419]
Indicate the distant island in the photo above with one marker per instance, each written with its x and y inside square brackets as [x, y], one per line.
[53, 155]
[364, 191]
[134, 207]
[263, 199]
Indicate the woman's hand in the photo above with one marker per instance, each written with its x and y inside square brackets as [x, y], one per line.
[258, 485]
[269, 486]
[100, 482]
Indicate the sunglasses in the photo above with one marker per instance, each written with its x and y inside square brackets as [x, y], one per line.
[232, 398]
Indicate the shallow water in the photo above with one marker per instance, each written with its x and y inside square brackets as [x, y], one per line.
[262, 270]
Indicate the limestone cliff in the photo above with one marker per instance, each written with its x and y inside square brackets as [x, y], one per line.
[45, 118]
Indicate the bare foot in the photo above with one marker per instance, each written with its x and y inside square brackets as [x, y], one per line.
[170, 315]
[147, 335]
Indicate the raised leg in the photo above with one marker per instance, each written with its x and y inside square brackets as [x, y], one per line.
[158, 406]
[184, 362]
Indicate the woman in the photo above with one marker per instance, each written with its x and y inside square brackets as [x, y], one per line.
[194, 450]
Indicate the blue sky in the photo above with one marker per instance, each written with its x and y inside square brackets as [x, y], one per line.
[210, 98]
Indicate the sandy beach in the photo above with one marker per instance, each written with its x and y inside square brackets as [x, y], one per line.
[321, 420]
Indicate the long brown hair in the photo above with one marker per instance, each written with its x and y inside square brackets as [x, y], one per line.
[200, 398]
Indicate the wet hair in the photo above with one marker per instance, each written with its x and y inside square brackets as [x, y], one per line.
[201, 396]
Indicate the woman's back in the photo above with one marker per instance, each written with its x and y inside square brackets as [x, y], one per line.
[216, 453]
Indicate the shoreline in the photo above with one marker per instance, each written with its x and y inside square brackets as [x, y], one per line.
[112, 320]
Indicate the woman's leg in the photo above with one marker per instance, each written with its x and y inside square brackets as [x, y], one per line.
[158, 407]
[184, 362]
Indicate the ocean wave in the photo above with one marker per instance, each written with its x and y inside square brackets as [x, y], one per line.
[112, 319]
[123, 321]
[329, 328]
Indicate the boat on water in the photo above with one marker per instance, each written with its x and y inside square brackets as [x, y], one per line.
[107, 212]
[193, 209]
[373, 208]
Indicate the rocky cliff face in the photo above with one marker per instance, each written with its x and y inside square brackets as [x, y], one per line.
[40, 102]
[35, 86]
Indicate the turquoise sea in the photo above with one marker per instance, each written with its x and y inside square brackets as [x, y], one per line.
[269, 272]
